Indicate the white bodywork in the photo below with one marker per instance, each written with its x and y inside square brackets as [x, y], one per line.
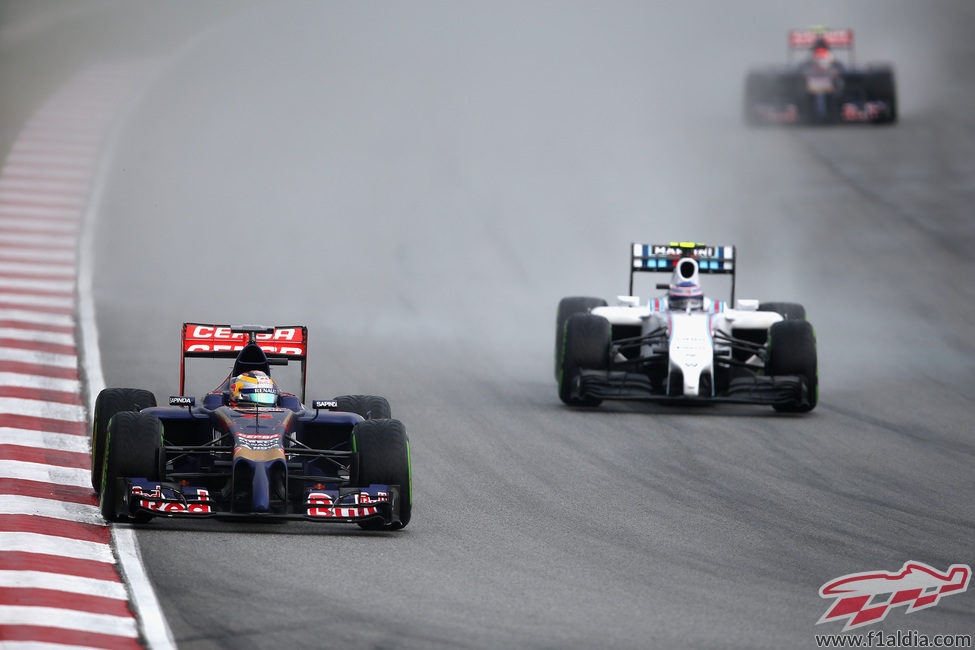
[691, 333]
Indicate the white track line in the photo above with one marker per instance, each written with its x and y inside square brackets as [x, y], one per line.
[20, 222]
[153, 623]
[18, 504]
[69, 619]
[16, 380]
[37, 336]
[63, 582]
[25, 471]
[40, 645]
[24, 170]
[39, 408]
[43, 186]
[37, 317]
[40, 269]
[44, 440]
[42, 211]
[35, 300]
[41, 382]
[58, 546]
[55, 239]
[65, 201]
[37, 256]
[42, 358]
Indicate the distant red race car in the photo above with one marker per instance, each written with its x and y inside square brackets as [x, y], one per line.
[821, 89]
[248, 449]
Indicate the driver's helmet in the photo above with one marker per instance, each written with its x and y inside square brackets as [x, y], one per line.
[685, 295]
[822, 55]
[254, 387]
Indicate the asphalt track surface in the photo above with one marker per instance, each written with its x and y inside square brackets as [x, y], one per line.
[419, 185]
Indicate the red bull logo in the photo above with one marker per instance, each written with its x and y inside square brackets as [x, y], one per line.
[866, 598]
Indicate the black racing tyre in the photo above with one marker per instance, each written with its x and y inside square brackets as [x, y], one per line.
[792, 351]
[371, 407]
[133, 449]
[587, 344]
[756, 92]
[383, 456]
[568, 307]
[109, 402]
[881, 87]
[788, 310]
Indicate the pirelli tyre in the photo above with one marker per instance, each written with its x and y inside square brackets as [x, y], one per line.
[133, 449]
[586, 345]
[109, 402]
[792, 351]
[568, 307]
[757, 91]
[788, 310]
[371, 407]
[880, 86]
[383, 457]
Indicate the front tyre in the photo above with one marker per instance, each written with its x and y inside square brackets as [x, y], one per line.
[587, 343]
[133, 449]
[792, 351]
[568, 307]
[383, 457]
[881, 87]
[756, 92]
[109, 402]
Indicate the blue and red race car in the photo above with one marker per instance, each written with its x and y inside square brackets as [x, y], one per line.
[246, 449]
[821, 89]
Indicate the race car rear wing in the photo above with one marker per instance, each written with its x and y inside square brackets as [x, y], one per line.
[837, 39]
[280, 344]
[661, 258]
[834, 38]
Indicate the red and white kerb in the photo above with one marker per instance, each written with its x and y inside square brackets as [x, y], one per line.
[59, 583]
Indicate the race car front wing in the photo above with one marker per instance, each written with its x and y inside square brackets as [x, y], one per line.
[621, 385]
[139, 498]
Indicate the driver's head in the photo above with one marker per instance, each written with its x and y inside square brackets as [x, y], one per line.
[685, 289]
[254, 387]
[686, 295]
[821, 54]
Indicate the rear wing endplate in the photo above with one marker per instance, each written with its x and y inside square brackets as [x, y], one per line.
[280, 343]
[661, 258]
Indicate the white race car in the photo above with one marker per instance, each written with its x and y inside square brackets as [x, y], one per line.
[684, 346]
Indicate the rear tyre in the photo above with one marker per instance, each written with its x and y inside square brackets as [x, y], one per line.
[371, 407]
[756, 92]
[587, 344]
[792, 351]
[133, 449]
[568, 307]
[788, 310]
[109, 402]
[383, 451]
[881, 87]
